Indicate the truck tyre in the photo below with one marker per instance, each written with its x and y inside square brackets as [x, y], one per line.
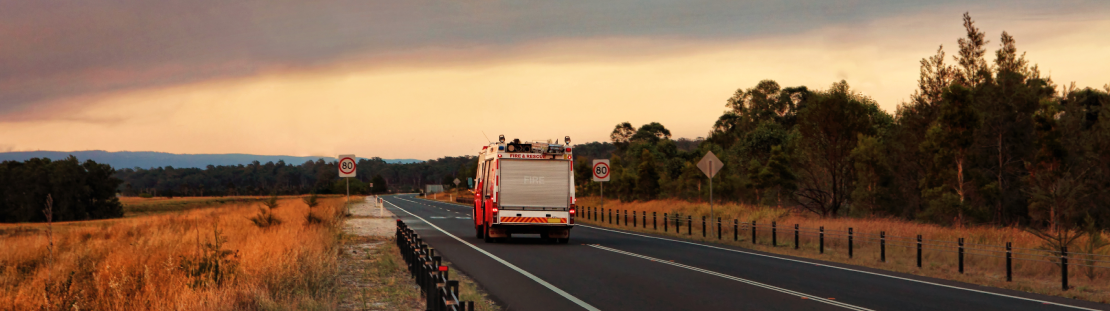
[487, 237]
[479, 232]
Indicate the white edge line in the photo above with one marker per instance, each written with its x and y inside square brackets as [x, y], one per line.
[847, 269]
[738, 279]
[566, 295]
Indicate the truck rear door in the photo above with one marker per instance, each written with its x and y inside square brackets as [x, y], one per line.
[535, 183]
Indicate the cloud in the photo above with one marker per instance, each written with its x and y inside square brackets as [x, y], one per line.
[56, 49]
[437, 101]
[379, 78]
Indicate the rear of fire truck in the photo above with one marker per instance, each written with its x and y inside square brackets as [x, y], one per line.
[525, 188]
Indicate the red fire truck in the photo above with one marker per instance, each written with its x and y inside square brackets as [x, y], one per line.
[524, 188]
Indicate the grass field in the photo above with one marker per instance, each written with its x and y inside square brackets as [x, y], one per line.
[136, 206]
[194, 259]
[980, 267]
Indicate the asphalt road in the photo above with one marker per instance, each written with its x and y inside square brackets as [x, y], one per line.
[605, 269]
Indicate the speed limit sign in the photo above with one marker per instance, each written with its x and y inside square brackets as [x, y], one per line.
[601, 170]
[346, 165]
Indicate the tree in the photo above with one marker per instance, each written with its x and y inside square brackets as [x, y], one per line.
[79, 191]
[647, 182]
[651, 133]
[973, 68]
[622, 135]
[949, 139]
[873, 174]
[829, 125]
[1056, 184]
[776, 175]
[380, 185]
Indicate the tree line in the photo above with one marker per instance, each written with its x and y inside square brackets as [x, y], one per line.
[318, 176]
[978, 143]
[82, 191]
[77, 191]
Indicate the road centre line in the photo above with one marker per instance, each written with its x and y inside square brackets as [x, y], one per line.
[746, 281]
[566, 295]
[846, 269]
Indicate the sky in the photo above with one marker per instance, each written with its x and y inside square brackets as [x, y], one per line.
[427, 79]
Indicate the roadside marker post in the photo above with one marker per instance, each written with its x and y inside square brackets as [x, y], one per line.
[821, 242]
[850, 242]
[961, 254]
[753, 231]
[735, 229]
[774, 235]
[795, 236]
[882, 246]
[457, 181]
[1009, 262]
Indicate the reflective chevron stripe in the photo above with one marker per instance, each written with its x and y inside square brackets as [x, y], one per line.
[534, 220]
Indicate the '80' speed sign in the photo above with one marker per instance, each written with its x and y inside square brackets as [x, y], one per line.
[347, 165]
[601, 170]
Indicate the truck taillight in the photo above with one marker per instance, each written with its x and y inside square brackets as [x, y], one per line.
[494, 210]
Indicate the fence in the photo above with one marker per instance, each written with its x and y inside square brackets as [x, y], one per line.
[441, 293]
[850, 240]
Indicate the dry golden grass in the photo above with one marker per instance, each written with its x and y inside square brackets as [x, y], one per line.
[166, 262]
[137, 206]
[1039, 277]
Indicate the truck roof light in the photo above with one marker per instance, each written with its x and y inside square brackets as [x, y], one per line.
[501, 138]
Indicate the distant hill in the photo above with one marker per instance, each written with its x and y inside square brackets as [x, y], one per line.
[149, 159]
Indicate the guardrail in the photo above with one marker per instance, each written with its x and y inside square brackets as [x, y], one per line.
[440, 293]
[1061, 258]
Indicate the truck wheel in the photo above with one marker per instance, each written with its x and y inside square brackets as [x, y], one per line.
[487, 237]
[479, 232]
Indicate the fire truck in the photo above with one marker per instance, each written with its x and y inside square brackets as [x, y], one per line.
[524, 188]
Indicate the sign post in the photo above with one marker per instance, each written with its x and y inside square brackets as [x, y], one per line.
[347, 166]
[710, 165]
[601, 174]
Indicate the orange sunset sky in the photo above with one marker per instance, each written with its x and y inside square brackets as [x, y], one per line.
[425, 79]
